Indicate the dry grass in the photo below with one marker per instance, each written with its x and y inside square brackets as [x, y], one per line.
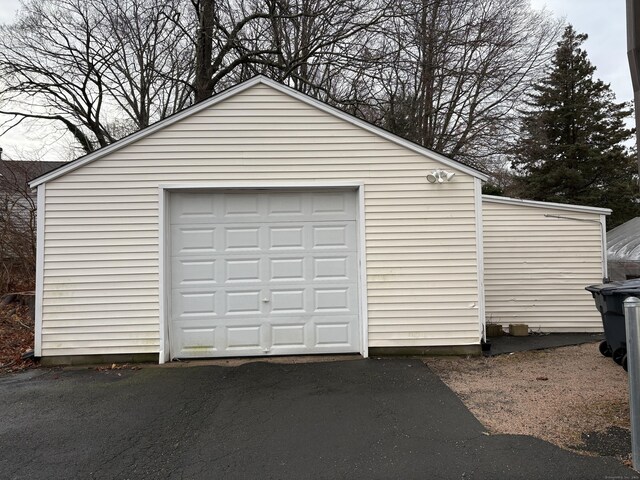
[556, 395]
[16, 337]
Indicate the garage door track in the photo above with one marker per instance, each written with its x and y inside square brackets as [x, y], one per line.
[367, 419]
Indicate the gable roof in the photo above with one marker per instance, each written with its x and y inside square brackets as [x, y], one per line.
[260, 79]
[19, 173]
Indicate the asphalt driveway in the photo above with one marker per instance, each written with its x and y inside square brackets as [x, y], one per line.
[353, 419]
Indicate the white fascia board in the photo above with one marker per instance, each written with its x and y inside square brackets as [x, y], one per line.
[233, 91]
[537, 204]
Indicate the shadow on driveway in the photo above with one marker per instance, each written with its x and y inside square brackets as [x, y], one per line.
[388, 418]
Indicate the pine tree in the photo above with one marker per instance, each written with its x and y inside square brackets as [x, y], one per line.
[571, 148]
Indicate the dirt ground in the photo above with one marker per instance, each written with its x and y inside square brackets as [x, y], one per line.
[570, 396]
[16, 337]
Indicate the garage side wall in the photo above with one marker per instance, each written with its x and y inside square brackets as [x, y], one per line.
[536, 267]
[101, 268]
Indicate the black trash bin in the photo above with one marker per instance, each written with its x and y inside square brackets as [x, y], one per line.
[609, 298]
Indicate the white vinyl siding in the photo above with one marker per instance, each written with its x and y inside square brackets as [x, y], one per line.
[101, 272]
[536, 267]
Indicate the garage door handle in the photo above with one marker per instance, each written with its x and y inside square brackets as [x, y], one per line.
[265, 300]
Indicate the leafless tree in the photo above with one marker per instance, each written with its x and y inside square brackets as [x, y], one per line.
[149, 66]
[310, 44]
[100, 68]
[18, 223]
[457, 70]
[323, 45]
[448, 74]
[227, 38]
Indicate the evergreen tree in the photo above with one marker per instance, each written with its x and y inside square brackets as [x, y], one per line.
[571, 148]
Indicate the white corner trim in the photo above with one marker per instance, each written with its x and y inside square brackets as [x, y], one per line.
[603, 240]
[552, 205]
[362, 274]
[40, 213]
[477, 184]
[176, 117]
[163, 354]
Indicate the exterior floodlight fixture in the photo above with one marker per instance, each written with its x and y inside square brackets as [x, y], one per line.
[440, 176]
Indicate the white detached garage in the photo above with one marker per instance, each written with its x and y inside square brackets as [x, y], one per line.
[259, 222]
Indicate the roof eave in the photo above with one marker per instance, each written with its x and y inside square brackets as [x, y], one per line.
[553, 205]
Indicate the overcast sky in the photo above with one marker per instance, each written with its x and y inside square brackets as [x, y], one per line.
[602, 20]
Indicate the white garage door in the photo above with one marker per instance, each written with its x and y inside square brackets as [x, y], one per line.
[263, 273]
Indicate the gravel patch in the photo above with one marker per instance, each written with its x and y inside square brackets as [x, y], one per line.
[613, 442]
[570, 396]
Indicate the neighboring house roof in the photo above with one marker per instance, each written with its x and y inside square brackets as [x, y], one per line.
[21, 172]
[17, 200]
[556, 206]
[623, 242]
[240, 88]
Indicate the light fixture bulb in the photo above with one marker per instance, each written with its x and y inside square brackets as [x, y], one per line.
[440, 176]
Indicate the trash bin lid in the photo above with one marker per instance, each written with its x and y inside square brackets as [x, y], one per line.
[631, 287]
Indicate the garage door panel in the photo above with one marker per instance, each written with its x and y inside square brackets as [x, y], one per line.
[237, 238]
[332, 236]
[287, 269]
[243, 270]
[334, 299]
[243, 205]
[285, 205]
[194, 272]
[288, 336]
[286, 237]
[260, 273]
[334, 334]
[194, 208]
[198, 303]
[194, 240]
[241, 239]
[332, 268]
[247, 337]
[278, 336]
[242, 302]
[189, 303]
[221, 208]
[194, 337]
[334, 206]
[288, 300]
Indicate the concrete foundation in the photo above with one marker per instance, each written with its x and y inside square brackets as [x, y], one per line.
[69, 360]
[429, 351]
